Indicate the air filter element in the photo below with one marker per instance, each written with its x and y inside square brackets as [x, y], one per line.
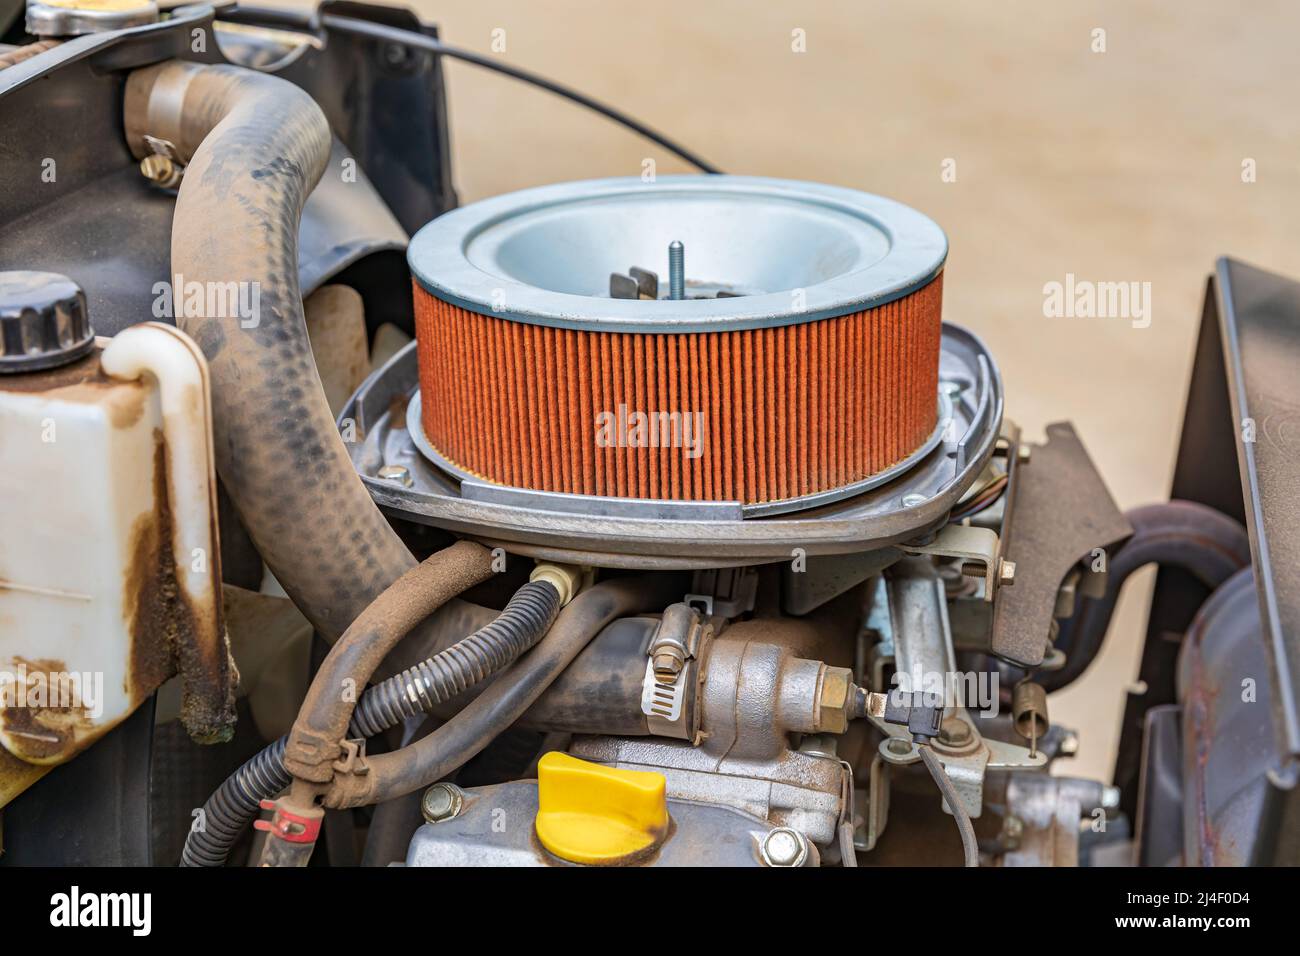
[696, 339]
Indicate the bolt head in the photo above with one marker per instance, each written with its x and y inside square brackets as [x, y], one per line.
[1069, 745]
[667, 664]
[398, 474]
[157, 168]
[396, 55]
[1023, 454]
[442, 801]
[1013, 828]
[785, 847]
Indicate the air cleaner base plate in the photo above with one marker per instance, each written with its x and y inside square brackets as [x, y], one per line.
[905, 506]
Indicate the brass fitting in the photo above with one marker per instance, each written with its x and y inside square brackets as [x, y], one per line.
[162, 170]
[834, 700]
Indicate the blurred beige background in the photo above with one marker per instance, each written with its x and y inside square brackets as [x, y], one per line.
[1117, 166]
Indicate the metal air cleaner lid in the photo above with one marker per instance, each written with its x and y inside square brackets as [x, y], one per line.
[759, 253]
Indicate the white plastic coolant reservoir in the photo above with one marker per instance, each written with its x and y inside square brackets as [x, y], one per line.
[109, 568]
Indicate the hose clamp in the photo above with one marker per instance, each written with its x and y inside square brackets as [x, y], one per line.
[672, 651]
[353, 759]
[289, 826]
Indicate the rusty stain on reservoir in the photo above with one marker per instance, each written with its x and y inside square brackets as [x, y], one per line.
[168, 633]
[43, 712]
[84, 383]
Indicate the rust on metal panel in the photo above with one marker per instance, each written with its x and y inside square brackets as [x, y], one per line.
[1199, 700]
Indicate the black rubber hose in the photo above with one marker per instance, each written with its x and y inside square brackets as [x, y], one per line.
[418, 689]
[392, 775]
[1183, 534]
[392, 824]
[256, 145]
[237, 801]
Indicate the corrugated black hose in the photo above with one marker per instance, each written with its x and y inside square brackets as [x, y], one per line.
[418, 689]
[467, 663]
[235, 804]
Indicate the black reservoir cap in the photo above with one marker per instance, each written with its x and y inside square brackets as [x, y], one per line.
[43, 321]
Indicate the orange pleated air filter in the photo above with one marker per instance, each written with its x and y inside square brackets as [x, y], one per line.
[700, 339]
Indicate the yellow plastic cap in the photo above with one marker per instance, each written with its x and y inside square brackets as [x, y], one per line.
[590, 813]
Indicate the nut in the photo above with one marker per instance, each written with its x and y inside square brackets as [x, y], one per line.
[833, 700]
[1006, 572]
[955, 732]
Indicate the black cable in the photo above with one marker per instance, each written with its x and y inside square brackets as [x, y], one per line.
[378, 31]
[981, 501]
[970, 848]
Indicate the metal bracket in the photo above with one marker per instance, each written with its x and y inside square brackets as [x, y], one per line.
[876, 817]
[968, 767]
[978, 545]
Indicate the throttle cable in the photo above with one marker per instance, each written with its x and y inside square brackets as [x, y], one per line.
[376, 31]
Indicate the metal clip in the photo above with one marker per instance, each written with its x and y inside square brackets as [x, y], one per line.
[353, 760]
